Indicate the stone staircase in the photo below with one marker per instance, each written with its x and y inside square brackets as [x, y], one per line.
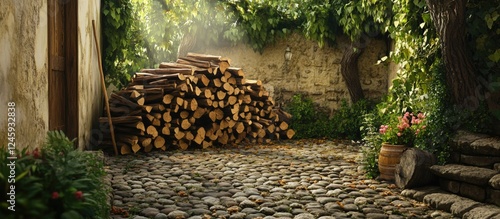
[469, 187]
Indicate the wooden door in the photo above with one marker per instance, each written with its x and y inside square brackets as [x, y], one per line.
[63, 72]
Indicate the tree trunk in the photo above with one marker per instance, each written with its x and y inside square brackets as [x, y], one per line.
[349, 71]
[449, 20]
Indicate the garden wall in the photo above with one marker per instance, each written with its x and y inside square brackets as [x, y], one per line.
[24, 70]
[312, 70]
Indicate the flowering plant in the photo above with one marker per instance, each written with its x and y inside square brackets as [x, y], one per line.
[403, 130]
[54, 181]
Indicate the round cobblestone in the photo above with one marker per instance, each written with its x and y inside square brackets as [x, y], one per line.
[291, 179]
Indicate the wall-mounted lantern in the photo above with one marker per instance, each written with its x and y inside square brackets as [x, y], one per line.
[288, 57]
[288, 54]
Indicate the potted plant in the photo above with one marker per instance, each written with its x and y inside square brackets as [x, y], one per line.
[399, 134]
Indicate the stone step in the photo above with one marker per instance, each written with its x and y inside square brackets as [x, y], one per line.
[457, 205]
[479, 184]
[469, 174]
[478, 161]
[475, 144]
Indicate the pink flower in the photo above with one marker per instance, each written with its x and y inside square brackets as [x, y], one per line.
[383, 129]
[421, 116]
[399, 134]
[400, 127]
[78, 195]
[405, 120]
[55, 195]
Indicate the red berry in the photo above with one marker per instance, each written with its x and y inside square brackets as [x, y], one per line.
[55, 195]
[78, 195]
[36, 153]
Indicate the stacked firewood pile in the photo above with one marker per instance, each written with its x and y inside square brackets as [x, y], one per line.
[197, 102]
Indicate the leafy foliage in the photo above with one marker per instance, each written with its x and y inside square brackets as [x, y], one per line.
[56, 181]
[261, 22]
[444, 119]
[483, 26]
[403, 130]
[348, 119]
[307, 120]
[123, 44]
[372, 142]
[310, 122]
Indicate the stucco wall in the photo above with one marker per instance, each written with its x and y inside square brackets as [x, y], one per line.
[23, 70]
[313, 70]
[90, 101]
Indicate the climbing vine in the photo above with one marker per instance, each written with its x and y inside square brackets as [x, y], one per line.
[261, 22]
[123, 44]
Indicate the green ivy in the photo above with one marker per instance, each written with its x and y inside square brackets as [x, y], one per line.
[123, 43]
[262, 22]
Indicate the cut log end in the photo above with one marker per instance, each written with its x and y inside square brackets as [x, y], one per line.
[413, 169]
[199, 101]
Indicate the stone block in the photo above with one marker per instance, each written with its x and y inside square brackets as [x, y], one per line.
[479, 161]
[495, 181]
[486, 146]
[449, 185]
[493, 196]
[473, 192]
[473, 175]
[463, 139]
[486, 211]
[420, 193]
[496, 167]
[441, 200]
[461, 207]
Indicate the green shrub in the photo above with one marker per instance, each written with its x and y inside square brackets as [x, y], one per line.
[310, 122]
[349, 118]
[372, 141]
[56, 181]
[307, 120]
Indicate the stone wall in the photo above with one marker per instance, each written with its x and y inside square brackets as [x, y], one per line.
[24, 70]
[312, 70]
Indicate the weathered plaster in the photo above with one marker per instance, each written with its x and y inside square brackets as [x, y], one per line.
[313, 70]
[90, 101]
[23, 70]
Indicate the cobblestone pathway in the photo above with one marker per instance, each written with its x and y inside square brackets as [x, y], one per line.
[290, 179]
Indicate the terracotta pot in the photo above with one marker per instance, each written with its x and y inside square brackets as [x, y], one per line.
[388, 159]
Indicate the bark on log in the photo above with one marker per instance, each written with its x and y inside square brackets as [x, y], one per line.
[200, 101]
[413, 169]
